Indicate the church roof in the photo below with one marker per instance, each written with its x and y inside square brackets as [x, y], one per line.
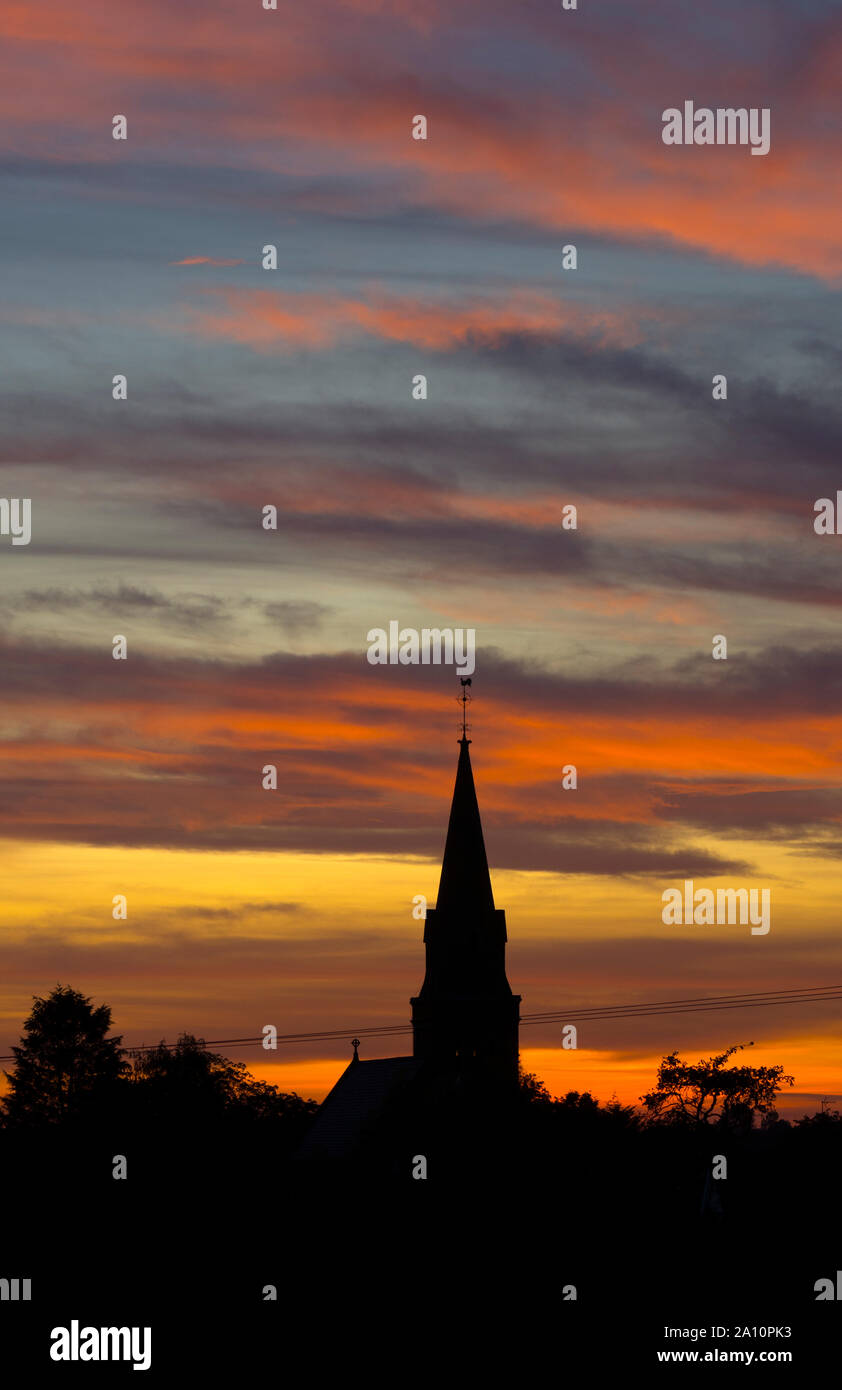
[465, 883]
[357, 1101]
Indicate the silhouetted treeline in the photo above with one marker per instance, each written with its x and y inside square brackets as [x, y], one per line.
[182, 1150]
[77, 1101]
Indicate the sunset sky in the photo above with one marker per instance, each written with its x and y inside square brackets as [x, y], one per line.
[547, 387]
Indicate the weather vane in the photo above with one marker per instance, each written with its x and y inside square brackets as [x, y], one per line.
[463, 699]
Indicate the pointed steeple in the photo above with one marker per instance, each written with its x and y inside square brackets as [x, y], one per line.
[465, 884]
[465, 1013]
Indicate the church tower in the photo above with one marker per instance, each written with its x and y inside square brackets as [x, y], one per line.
[465, 1016]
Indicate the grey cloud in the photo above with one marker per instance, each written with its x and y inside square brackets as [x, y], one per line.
[296, 617]
[184, 611]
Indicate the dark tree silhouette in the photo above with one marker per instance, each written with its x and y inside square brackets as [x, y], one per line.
[188, 1072]
[582, 1103]
[189, 1081]
[709, 1091]
[64, 1065]
[531, 1088]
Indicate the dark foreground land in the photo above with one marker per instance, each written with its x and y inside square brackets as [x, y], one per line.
[399, 1278]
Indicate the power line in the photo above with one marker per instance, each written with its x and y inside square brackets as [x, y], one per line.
[756, 999]
[606, 1012]
[712, 998]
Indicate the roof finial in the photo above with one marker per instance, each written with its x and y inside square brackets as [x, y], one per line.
[463, 699]
[355, 1042]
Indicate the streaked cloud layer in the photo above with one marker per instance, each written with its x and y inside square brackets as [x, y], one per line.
[292, 387]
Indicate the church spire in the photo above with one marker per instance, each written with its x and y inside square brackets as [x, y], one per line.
[465, 884]
[465, 1012]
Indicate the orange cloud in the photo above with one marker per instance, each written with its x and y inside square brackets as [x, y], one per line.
[189, 750]
[490, 154]
[269, 321]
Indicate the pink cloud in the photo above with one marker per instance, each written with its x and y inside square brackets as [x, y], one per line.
[206, 260]
[268, 321]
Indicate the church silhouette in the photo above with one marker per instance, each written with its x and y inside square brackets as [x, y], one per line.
[464, 1018]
